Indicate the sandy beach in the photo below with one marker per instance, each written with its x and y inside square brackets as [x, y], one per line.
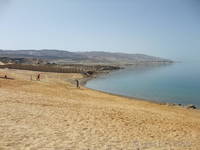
[53, 114]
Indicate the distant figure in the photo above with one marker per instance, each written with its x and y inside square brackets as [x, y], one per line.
[31, 78]
[5, 77]
[77, 84]
[38, 77]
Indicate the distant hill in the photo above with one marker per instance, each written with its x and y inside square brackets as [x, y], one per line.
[46, 54]
[121, 57]
[59, 56]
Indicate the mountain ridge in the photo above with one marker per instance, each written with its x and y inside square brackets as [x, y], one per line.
[61, 56]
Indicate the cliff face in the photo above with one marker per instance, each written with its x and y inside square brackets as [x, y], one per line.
[60, 56]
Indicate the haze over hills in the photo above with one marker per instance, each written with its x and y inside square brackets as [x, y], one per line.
[60, 56]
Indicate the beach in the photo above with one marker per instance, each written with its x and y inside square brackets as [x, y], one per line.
[53, 114]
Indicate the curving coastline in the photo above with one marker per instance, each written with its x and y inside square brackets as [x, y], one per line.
[85, 79]
[54, 114]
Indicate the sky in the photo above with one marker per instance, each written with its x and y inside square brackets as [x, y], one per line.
[164, 28]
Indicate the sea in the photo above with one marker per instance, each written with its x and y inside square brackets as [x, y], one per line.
[177, 83]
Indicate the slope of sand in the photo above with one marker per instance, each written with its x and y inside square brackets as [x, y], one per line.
[1, 63]
[53, 114]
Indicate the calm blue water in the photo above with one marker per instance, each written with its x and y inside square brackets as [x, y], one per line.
[174, 83]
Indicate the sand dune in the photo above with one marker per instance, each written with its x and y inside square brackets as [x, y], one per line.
[53, 114]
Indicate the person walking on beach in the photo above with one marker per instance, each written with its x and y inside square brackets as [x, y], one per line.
[77, 84]
[38, 77]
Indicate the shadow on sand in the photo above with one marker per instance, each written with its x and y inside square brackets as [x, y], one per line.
[6, 78]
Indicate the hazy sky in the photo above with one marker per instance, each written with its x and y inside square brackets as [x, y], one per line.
[167, 28]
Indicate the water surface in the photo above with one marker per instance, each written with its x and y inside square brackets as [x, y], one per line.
[175, 83]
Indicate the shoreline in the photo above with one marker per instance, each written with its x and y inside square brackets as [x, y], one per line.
[84, 81]
[121, 67]
[53, 113]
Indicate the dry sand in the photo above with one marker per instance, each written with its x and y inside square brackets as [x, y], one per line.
[53, 114]
[1, 63]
